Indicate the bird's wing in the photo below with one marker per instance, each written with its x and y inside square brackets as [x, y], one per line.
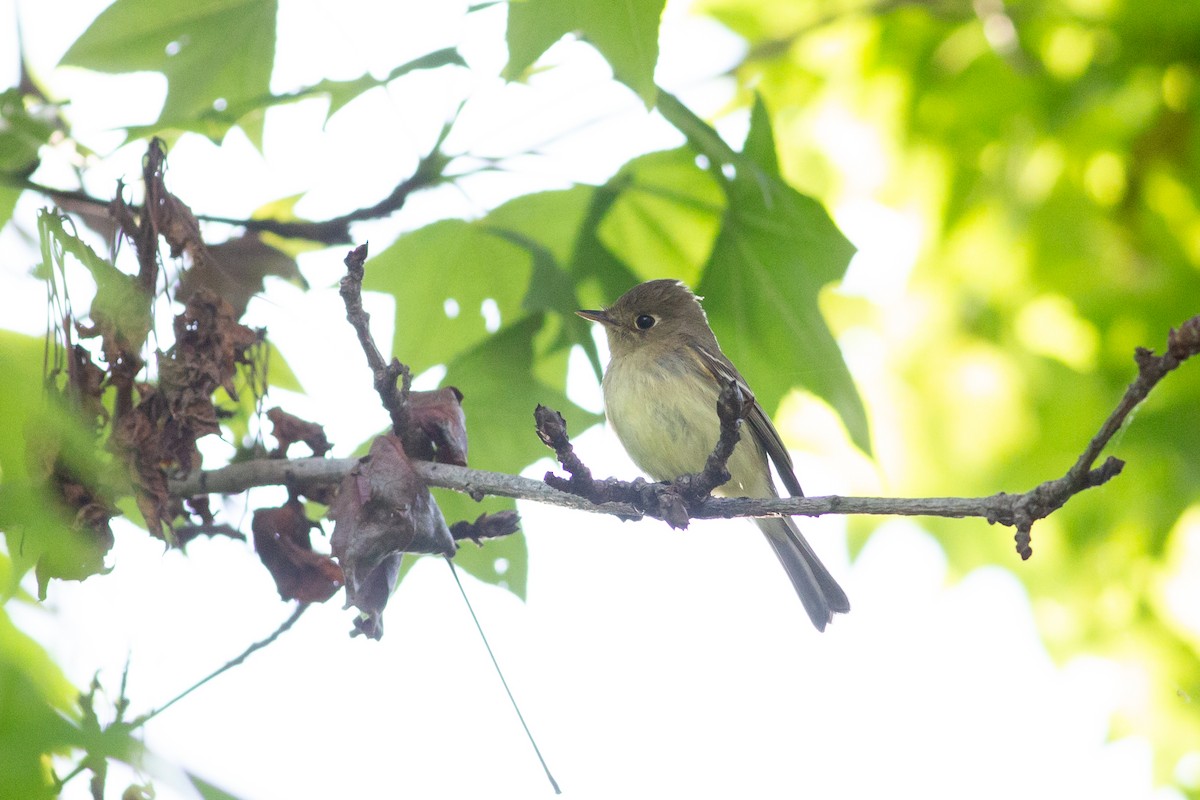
[760, 424]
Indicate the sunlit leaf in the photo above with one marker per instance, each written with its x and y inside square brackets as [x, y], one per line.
[207, 790]
[214, 53]
[36, 704]
[451, 280]
[626, 34]
[341, 93]
[776, 250]
[8, 202]
[500, 392]
[279, 373]
[554, 219]
[22, 133]
[121, 308]
[666, 216]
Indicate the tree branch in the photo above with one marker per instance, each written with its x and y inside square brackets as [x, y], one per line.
[307, 472]
[1017, 510]
[330, 231]
[674, 502]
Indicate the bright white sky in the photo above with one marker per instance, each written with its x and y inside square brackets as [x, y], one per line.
[649, 663]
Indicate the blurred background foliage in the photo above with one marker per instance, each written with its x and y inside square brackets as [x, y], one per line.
[1020, 179]
[1049, 153]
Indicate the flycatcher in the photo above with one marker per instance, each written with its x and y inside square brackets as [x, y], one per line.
[660, 396]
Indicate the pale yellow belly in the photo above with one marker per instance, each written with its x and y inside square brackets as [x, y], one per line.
[667, 421]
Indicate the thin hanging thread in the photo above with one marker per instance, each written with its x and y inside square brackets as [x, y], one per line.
[496, 664]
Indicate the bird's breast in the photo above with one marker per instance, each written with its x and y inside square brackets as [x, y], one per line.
[664, 411]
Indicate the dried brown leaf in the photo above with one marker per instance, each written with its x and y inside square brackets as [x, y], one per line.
[281, 538]
[289, 429]
[235, 270]
[383, 509]
[438, 416]
[487, 526]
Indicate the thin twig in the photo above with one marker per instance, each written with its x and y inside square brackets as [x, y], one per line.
[283, 628]
[331, 231]
[503, 682]
[393, 397]
[675, 501]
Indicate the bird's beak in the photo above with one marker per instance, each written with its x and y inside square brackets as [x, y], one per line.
[596, 316]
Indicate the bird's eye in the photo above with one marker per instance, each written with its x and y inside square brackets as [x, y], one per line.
[644, 321]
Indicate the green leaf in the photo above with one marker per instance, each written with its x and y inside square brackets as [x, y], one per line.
[22, 133]
[8, 201]
[213, 53]
[699, 133]
[599, 274]
[18, 651]
[207, 790]
[249, 113]
[550, 288]
[625, 33]
[776, 250]
[550, 226]
[448, 260]
[121, 308]
[36, 703]
[547, 225]
[341, 93]
[279, 373]
[500, 386]
[554, 218]
[666, 217]
[23, 399]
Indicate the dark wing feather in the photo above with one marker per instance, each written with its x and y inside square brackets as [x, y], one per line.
[760, 424]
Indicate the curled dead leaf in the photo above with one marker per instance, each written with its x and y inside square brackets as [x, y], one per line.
[281, 539]
[487, 526]
[235, 270]
[383, 509]
[438, 416]
[289, 429]
[158, 435]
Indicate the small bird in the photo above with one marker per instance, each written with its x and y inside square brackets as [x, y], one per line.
[660, 395]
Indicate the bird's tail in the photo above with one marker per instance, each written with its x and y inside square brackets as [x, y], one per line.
[819, 592]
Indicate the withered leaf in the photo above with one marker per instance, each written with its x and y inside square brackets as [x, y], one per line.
[289, 429]
[281, 538]
[438, 416]
[382, 510]
[199, 507]
[171, 218]
[158, 435]
[376, 590]
[185, 534]
[235, 270]
[210, 342]
[85, 387]
[487, 526]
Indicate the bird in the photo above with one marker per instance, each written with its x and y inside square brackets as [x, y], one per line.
[660, 388]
